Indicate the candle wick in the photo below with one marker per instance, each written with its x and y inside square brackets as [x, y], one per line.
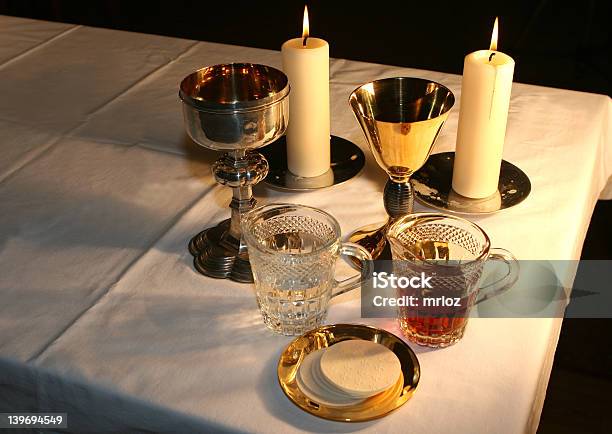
[304, 41]
[491, 56]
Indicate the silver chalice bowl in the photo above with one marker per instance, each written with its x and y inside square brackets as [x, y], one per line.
[235, 108]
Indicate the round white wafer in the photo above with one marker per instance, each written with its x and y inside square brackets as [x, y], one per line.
[319, 379]
[312, 388]
[360, 368]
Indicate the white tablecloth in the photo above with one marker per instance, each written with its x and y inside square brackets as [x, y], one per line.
[101, 313]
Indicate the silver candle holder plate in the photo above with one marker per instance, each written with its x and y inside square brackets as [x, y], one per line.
[347, 160]
[433, 187]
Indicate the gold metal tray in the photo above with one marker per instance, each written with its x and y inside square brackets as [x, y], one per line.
[326, 336]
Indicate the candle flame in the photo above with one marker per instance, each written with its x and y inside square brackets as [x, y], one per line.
[493, 45]
[305, 25]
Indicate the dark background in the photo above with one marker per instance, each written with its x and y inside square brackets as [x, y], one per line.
[554, 43]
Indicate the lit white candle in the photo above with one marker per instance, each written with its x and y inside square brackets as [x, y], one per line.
[485, 99]
[306, 63]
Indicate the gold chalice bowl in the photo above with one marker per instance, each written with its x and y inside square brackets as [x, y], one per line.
[401, 118]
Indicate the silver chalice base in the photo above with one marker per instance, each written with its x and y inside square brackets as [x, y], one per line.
[347, 160]
[433, 187]
[212, 259]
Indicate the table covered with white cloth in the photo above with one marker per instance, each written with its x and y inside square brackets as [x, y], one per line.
[102, 315]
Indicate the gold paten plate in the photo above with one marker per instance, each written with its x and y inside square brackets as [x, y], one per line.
[326, 336]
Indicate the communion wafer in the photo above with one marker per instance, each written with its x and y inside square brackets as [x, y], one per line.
[317, 392]
[309, 374]
[360, 368]
[320, 379]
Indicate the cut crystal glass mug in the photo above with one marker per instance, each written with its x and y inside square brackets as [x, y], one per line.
[293, 250]
[453, 252]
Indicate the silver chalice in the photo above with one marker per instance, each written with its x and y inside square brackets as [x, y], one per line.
[235, 108]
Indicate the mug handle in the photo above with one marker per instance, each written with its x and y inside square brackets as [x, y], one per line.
[501, 285]
[350, 283]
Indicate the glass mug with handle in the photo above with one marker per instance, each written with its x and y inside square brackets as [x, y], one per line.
[451, 251]
[293, 250]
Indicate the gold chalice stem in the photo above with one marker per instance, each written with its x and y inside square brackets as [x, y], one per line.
[399, 200]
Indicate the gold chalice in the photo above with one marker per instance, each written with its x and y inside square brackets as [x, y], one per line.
[401, 118]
